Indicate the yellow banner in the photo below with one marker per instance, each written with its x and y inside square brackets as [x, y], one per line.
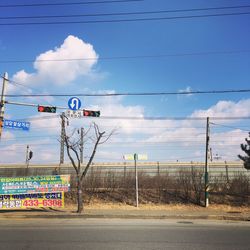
[22, 201]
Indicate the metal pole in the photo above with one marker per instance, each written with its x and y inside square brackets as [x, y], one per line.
[62, 139]
[206, 166]
[136, 181]
[2, 102]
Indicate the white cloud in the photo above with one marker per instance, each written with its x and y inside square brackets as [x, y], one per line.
[225, 109]
[66, 71]
[189, 135]
[227, 144]
[12, 153]
[51, 66]
[164, 139]
[7, 135]
[44, 122]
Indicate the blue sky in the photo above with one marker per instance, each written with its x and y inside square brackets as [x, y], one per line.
[187, 54]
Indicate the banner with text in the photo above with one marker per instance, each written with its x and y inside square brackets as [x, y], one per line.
[22, 201]
[34, 184]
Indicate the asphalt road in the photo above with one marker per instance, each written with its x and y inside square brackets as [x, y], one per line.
[124, 234]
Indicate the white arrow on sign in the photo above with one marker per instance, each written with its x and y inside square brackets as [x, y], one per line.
[74, 103]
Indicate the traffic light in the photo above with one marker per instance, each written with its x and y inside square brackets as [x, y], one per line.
[30, 155]
[91, 113]
[47, 109]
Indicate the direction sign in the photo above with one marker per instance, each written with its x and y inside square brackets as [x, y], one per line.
[74, 113]
[129, 157]
[74, 103]
[142, 157]
[22, 125]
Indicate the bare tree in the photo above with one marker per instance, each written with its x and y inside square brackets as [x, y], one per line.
[73, 147]
[246, 149]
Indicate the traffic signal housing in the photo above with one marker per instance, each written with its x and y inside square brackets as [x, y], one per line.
[91, 113]
[47, 109]
[30, 155]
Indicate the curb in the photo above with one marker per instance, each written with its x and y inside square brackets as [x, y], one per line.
[125, 216]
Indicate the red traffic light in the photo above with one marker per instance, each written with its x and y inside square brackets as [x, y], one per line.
[47, 109]
[91, 113]
[86, 113]
[40, 108]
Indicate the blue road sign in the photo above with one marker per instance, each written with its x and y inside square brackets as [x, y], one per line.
[16, 124]
[74, 103]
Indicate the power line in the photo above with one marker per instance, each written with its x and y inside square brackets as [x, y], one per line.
[28, 88]
[125, 20]
[200, 118]
[125, 13]
[134, 94]
[66, 3]
[227, 126]
[130, 57]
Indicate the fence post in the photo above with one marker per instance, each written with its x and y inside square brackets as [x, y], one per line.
[226, 166]
[158, 168]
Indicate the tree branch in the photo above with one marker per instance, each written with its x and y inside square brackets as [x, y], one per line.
[99, 136]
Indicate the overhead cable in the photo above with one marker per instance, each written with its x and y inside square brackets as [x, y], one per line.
[231, 127]
[124, 13]
[66, 3]
[226, 52]
[134, 93]
[126, 19]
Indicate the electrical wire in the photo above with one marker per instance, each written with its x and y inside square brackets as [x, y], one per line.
[134, 93]
[67, 3]
[206, 53]
[124, 13]
[201, 118]
[227, 126]
[125, 19]
[28, 88]
[120, 138]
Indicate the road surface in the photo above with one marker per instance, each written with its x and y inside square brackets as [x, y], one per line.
[121, 234]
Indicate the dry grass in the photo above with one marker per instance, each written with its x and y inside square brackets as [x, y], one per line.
[100, 205]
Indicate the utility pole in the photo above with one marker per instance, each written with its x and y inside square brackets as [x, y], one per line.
[62, 138]
[2, 102]
[81, 145]
[206, 165]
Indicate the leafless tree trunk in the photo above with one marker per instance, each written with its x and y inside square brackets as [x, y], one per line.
[73, 152]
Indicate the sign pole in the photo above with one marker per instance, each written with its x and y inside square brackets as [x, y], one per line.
[136, 181]
[206, 166]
